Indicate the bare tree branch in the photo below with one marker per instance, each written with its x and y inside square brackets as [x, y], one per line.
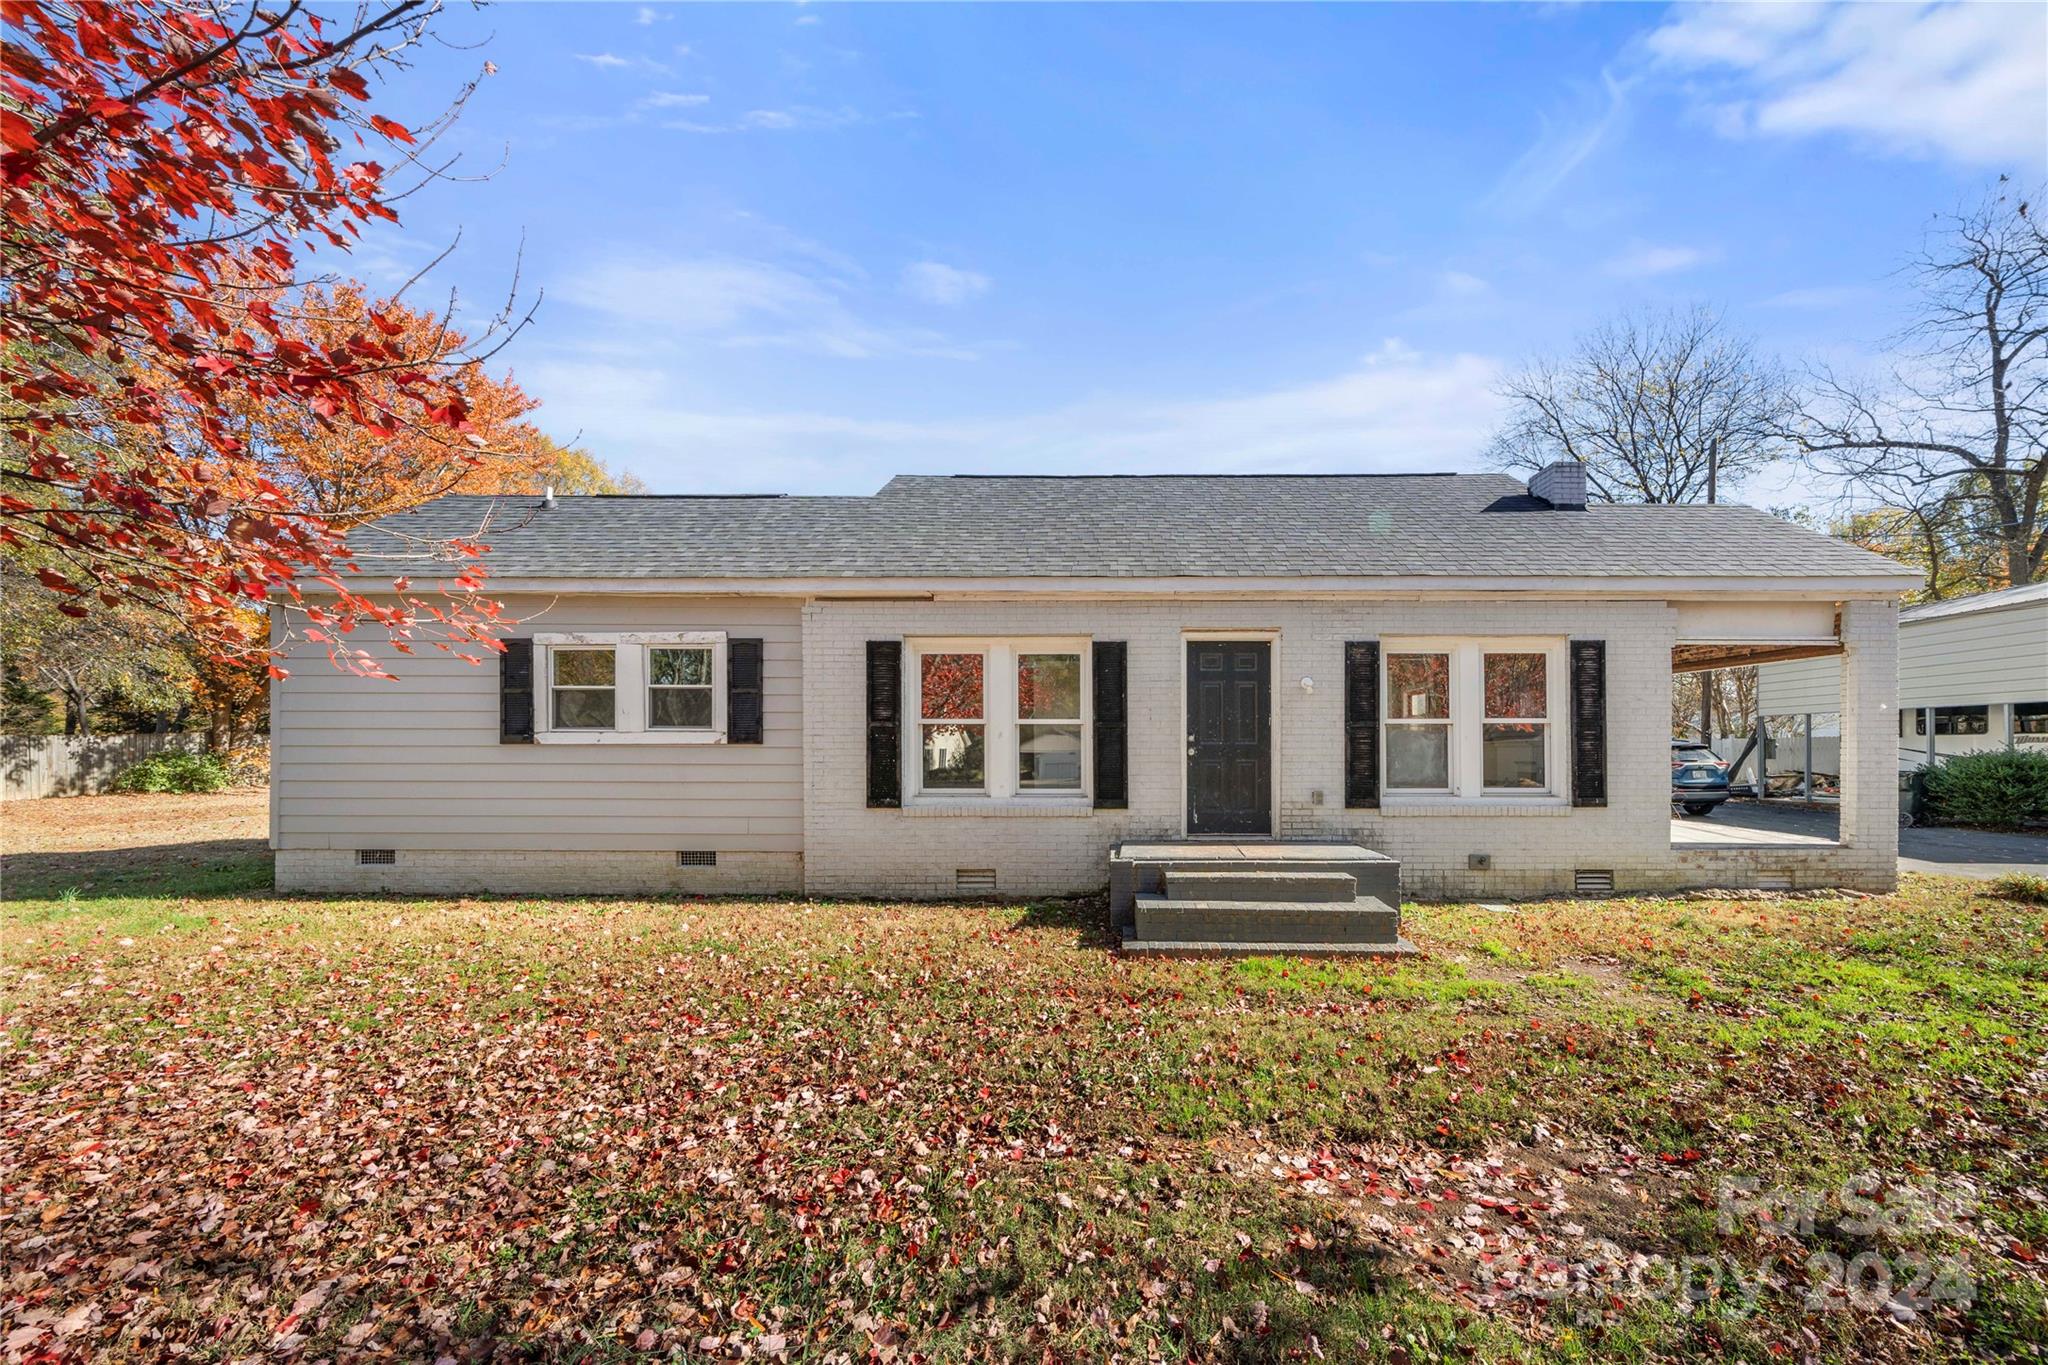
[1957, 430]
[1642, 401]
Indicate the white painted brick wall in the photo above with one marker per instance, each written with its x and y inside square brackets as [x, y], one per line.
[852, 850]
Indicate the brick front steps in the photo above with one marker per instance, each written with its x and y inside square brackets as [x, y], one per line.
[1213, 899]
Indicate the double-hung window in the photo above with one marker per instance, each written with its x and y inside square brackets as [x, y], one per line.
[953, 720]
[1472, 718]
[679, 690]
[632, 687]
[583, 687]
[1419, 731]
[1514, 730]
[999, 718]
[1049, 721]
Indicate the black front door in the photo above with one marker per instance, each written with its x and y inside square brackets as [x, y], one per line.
[1230, 760]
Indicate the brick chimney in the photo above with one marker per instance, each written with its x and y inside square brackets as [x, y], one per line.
[1562, 485]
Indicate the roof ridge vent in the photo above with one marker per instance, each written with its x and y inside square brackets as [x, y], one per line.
[1561, 484]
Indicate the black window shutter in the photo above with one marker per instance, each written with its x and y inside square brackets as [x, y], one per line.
[1361, 724]
[1112, 742]
[1589, 722]
[743, 692]
[885, 722]
[515, 692]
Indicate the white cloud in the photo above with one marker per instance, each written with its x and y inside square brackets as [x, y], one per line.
[1820, 297]
[1394, 409]
[1643, 261]
[612, 61]
[796, 118]
[944, 285]
[674, 99]
[1968, 82]
[1564, 142]
[1457, 284]
[647, 15]
[740, 302]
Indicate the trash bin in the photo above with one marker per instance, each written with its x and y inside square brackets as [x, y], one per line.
[1912, 794]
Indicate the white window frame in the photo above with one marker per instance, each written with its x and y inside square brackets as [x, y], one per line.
[1002, 727]
[630, 674]
[552, 687]
[1468, 720]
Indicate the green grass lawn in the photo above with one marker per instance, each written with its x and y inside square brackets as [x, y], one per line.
[239, 1124]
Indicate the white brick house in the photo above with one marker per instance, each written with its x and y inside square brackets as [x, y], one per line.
[964, 685]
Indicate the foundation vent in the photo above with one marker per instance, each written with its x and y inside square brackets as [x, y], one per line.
[974, 880]
[696, 857]
[1593, 881]
[376, 857]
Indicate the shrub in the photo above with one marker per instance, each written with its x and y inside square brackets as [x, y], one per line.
[2021, 886]
[175, 772]
[1997, 787]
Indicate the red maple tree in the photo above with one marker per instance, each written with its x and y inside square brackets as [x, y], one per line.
[167, 167]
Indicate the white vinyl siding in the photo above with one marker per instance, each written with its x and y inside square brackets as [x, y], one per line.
[1974, 659]
[416, 763]
[1986, 656]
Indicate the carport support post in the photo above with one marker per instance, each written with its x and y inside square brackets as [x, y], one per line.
[1870, 743]
[1763, 779]
[1927, 714]
[1806, 776]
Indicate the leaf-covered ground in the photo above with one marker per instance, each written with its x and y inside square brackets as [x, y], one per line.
[241, 1125]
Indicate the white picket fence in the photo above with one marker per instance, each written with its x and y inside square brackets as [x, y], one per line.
[81, 765]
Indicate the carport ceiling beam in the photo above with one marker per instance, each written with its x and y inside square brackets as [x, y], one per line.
[1700, 658]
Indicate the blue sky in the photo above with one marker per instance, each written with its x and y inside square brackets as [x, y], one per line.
[803, 247]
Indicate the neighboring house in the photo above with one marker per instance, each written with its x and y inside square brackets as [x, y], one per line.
[1973, 674]
[987, 684]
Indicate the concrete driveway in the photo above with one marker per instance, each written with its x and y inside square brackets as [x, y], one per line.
[1953, 852]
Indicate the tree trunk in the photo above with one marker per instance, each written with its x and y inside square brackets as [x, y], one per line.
[1706, 707]
[77, 713]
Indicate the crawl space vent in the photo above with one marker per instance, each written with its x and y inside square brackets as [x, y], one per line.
[696, 857]
[1593, 881]
[974, 880]
[376, 857]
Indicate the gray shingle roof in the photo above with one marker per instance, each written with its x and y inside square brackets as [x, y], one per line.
[1983, 601]
[1115, 526]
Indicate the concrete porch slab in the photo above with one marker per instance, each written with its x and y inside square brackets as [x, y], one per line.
[1254, 850]
[1400, 947]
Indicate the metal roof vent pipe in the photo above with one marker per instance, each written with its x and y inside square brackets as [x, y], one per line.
[1562, 485]
[547, 498]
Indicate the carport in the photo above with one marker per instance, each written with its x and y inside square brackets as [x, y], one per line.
[1732, 843]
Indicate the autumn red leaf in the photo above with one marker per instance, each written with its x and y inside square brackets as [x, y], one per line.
[168, 169]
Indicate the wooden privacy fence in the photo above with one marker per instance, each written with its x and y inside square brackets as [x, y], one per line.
[77, 765]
